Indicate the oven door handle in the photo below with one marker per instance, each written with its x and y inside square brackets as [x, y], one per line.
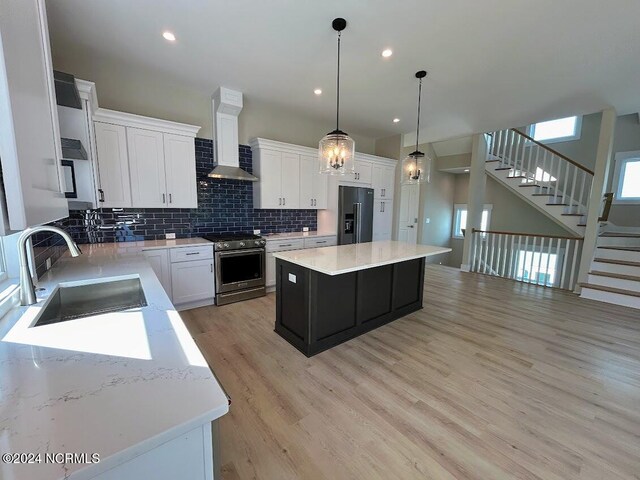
[240, 252]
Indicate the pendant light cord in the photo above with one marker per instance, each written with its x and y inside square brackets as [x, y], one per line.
[419, 103]
[338, 86]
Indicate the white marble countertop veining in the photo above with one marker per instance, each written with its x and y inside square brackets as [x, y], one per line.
[294, 235]
[350, 258]
[116, 384]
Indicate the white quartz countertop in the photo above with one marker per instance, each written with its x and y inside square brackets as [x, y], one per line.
[117, 384]
[296, 235]
[350, 258]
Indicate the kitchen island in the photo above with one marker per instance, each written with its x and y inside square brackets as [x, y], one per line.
[326, 296]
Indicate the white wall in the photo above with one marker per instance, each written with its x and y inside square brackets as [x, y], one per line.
[143, 92]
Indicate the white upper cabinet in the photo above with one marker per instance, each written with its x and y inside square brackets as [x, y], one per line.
[114, 190]
[288, 176]
[290, 184]
[313, 184]
[145, 162]
[383, 181]
[363, 172]
[146, 167]
[30, 149]
[180, 167]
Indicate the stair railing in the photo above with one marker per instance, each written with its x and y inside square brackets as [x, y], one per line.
[551, 173]
[546, 260]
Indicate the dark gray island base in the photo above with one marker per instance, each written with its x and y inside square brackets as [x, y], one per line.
[316, 311]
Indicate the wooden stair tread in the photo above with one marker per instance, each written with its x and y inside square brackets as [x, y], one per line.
[617, 262]
[563, 204]
[493, 160]
[503, 168]
[620, 276]
[626, 249]
[620, 234]
[603, 288]
[543, 195]
[529, 185]
[572, 214]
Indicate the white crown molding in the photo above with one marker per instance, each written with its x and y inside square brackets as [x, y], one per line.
[87, 91]
[138, 121]
[263, 143]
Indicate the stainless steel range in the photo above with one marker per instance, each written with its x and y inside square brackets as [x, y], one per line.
[239, 260]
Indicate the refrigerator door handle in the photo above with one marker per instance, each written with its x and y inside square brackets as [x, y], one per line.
[357, 210]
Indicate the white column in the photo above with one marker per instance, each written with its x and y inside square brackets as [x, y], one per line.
[598, 186]
[475, 200]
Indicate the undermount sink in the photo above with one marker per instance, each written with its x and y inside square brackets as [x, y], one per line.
[70, 303]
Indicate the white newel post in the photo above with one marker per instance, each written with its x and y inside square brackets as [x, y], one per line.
[475, 201]
[600, 176]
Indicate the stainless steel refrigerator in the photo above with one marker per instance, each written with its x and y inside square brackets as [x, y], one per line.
[355, 215]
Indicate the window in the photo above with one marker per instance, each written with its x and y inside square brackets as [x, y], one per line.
[536, 267]
[560, 130]
[460, 219]
[627, 178]
[3, 269]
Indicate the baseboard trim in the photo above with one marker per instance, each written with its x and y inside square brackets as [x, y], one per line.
[465, 267]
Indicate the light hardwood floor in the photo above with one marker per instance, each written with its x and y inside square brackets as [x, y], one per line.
[493, 379]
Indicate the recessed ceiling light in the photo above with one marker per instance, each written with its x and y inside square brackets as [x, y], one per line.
[169, 36]
[466, 170]
[387, 52]
[317, 91]
[396, 120]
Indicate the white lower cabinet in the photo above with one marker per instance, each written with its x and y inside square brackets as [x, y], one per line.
[189, 455]
[382, 220]
[283, 245]
[192, 281]
[186, 274]
[159, 261]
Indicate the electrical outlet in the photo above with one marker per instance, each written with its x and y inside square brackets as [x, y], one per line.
[305, 229]
[427, 220]
[256, 231]
[171, 236]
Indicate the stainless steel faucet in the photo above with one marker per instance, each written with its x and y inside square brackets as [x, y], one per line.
[27, 289]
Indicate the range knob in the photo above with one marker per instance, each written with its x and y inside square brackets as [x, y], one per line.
[218, 245]
[226, 245]
[263, 242]
[242, 244]
[256, 242]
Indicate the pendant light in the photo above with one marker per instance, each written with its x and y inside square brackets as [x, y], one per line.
[416, 168]
[336, 149]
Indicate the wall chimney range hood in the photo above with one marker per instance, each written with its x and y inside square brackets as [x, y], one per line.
[226, 106]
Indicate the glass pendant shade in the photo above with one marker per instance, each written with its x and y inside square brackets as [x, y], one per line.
[416, 168]
[335, 153]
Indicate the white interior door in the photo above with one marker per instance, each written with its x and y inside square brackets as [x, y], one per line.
[408, 221]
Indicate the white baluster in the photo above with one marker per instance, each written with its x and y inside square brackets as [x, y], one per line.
[573, 263]
[540, 259]
[505, 252]
[581, 200]
[546, 271]
[556, 265]
[573, 202]
[533, 251]
[564, 262]
[493, 241]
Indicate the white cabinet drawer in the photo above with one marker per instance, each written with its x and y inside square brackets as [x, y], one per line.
[189, 254]
[282, 245]
[320, 242]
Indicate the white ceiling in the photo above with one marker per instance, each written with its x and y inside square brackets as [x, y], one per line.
[492, 63]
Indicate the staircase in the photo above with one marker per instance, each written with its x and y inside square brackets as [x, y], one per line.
[551, 182]
[614, 276]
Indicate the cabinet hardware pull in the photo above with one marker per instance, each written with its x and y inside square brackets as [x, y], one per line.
[212, 268]
[170, 199]
[164, 198]
[285, 245]
[101, 199]
[279, 200]
[383, 206]
[311, 201]
[323, 241]
[284, 200]
[193, 253]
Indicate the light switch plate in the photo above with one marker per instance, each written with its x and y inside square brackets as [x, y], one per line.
[256, 232]
[171, 236]
[292, 278]
[305, 229]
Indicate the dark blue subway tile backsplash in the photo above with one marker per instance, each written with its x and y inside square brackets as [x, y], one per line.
[223, 206]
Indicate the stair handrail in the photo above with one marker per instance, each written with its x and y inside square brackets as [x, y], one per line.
[501, 232]
[608, 200]
[555, 152]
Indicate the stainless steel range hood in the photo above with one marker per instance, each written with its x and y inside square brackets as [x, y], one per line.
[226, 106]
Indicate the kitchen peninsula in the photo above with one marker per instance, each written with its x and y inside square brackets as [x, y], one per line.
[326, 296]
